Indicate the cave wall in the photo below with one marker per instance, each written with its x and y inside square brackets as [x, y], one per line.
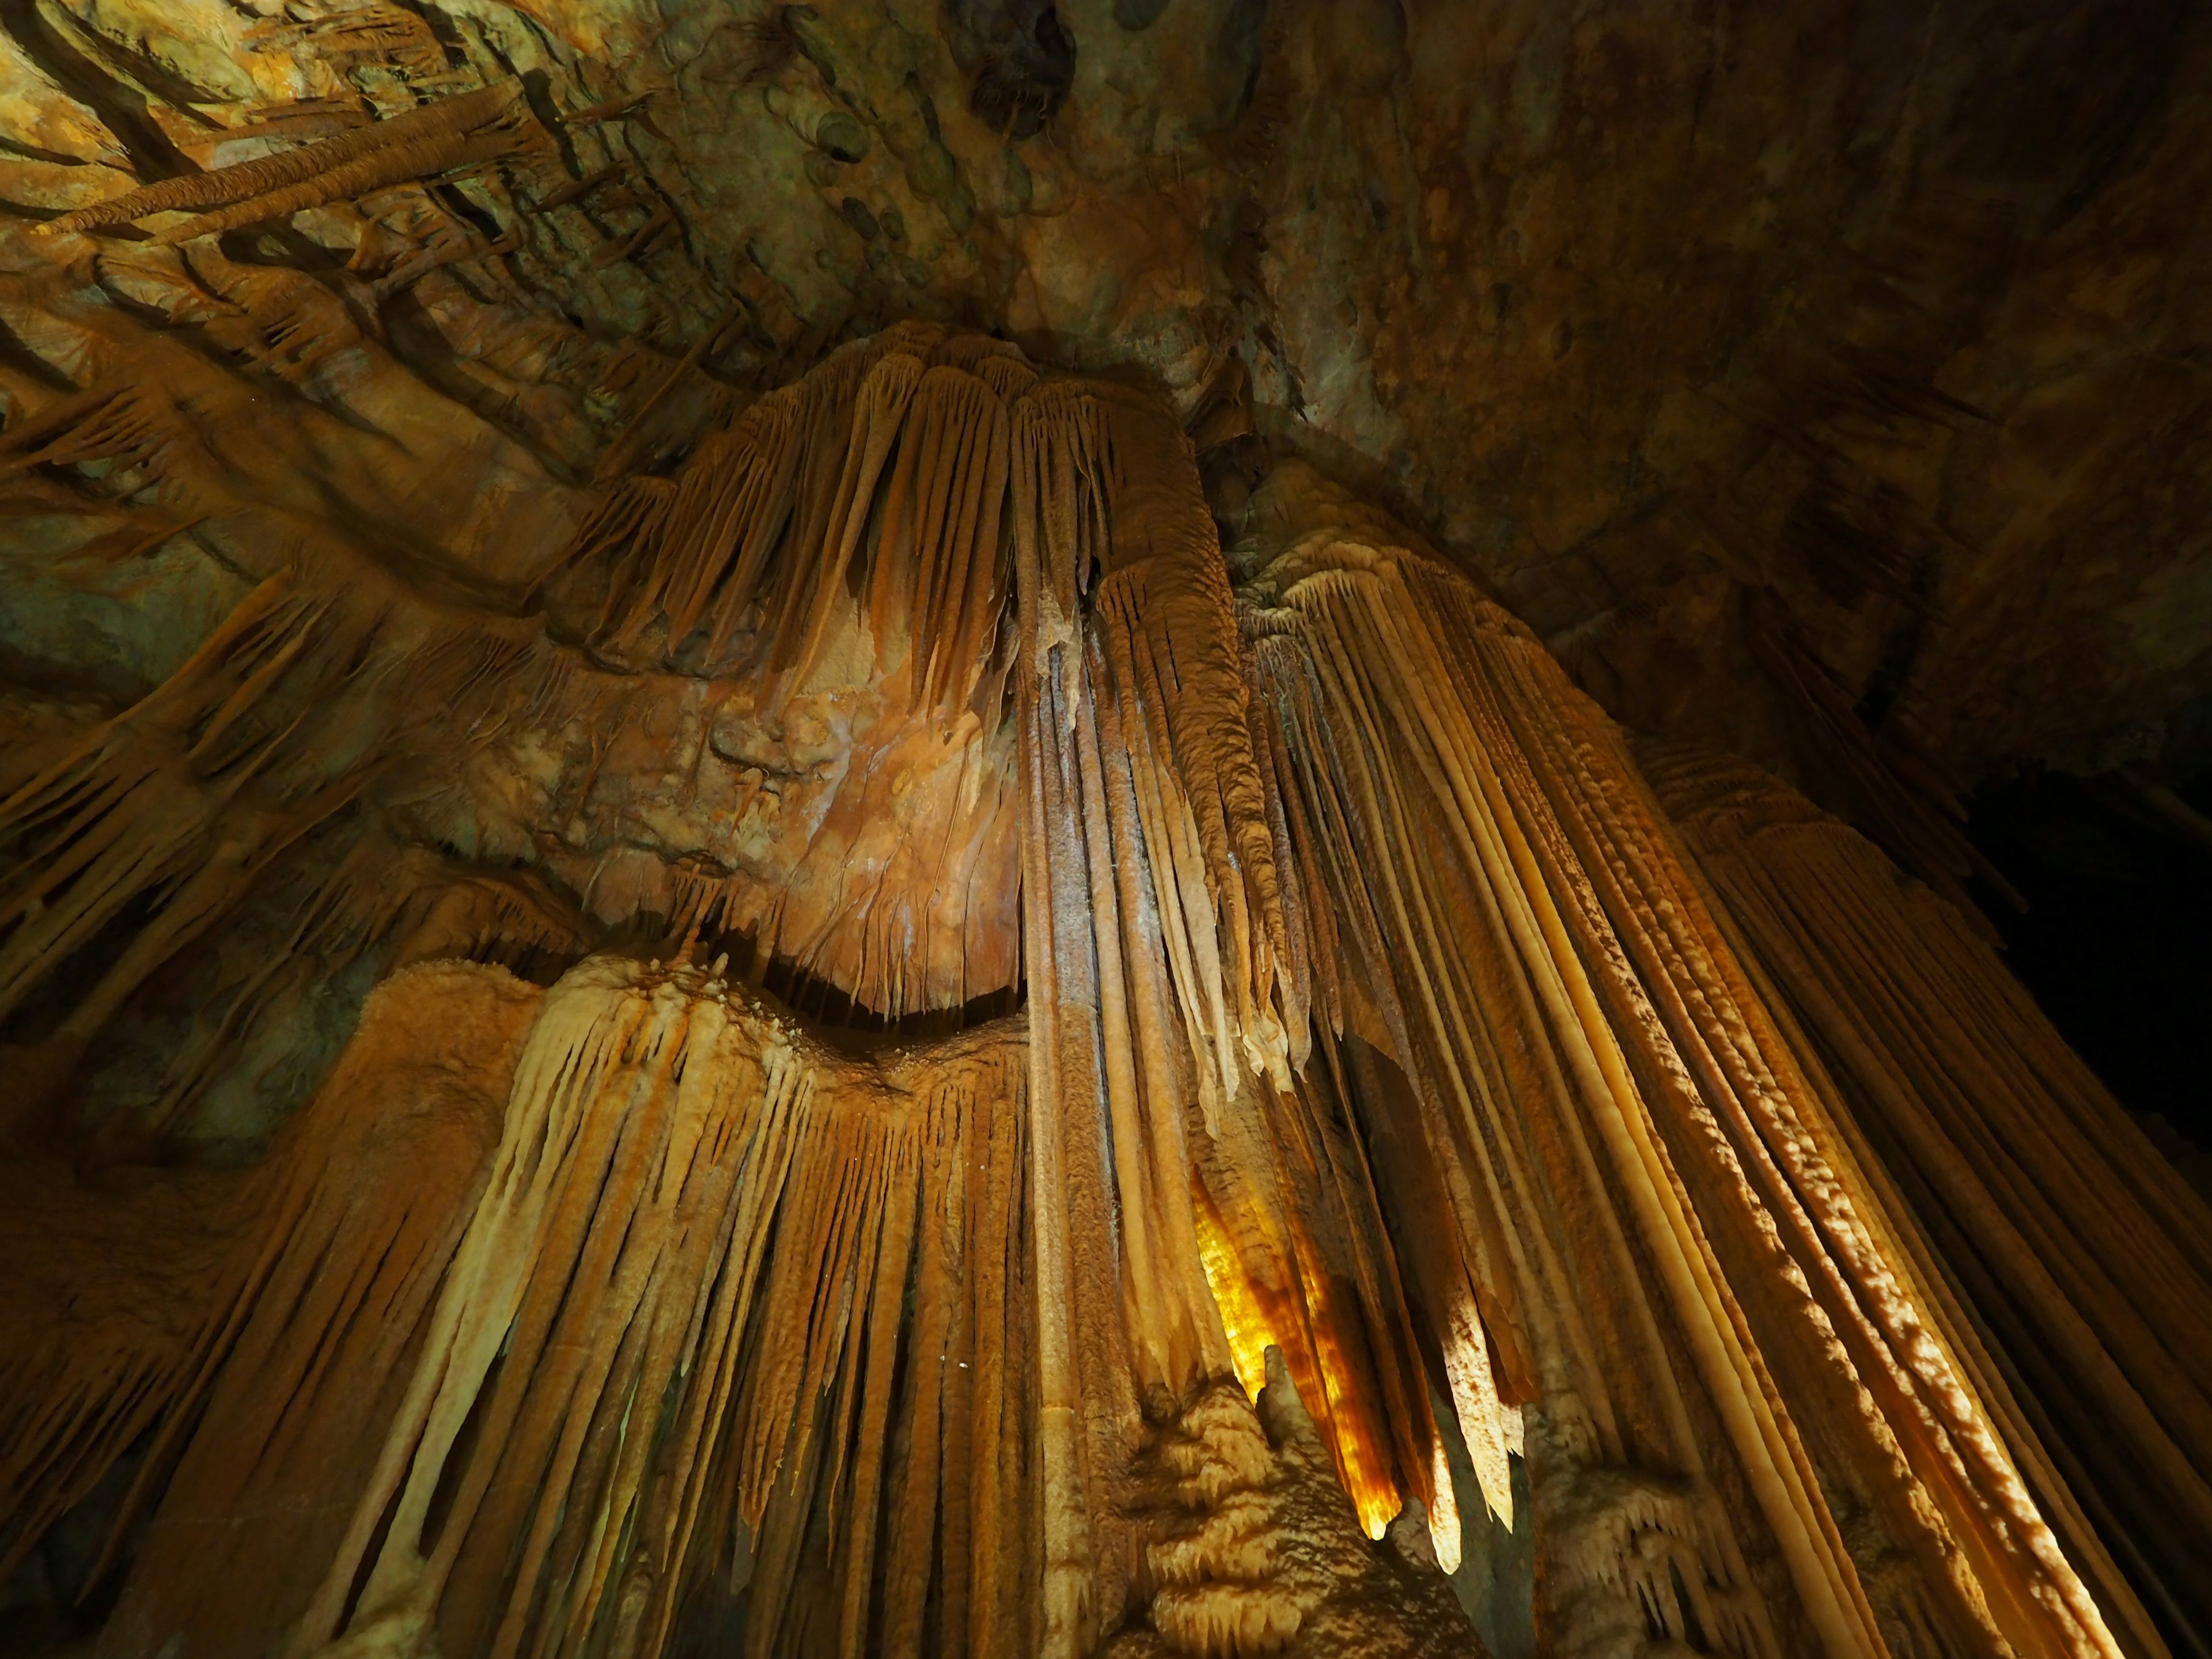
[1707, 337]
[1825, 386]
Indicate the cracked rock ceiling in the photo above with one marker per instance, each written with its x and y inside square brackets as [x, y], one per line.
[1827, 380]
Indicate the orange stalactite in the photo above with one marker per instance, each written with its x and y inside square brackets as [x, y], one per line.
[1383, 1046]
[1363, 1457]
[1250, 1332]
[1343, 1412]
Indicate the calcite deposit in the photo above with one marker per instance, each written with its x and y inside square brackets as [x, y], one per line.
[984, 827]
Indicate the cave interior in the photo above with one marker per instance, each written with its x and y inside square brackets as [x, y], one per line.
[1105, 826]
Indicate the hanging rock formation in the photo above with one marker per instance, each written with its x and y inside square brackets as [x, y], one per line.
[690, 964]
[1335, 902]
[1998, 1141]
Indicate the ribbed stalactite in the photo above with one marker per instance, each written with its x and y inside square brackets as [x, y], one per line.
[1444, 732]
[573, 1366]
[490, 124]
[1198, 1203]
[1553, 1213]
[884, 473]
[2079, 1260]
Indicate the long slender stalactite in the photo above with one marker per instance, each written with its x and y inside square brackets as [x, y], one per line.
[2077, 1253]
[1544, 806]
[947, 1076]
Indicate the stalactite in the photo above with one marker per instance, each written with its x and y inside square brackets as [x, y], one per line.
[186, 800]
[139, 805]
[810, 1266]
[429, 139]
[1378, 749]
[1827, 1349]
[899, 468]
[359, 1219]
[341, 467]
[1163, 1066]
[252, 1326]
[1831, 1310]
[1381, 1039]
[2005, 1144]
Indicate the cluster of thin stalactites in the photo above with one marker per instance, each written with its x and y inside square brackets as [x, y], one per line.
[1379, 1028]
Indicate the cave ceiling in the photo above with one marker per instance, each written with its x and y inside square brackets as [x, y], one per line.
[1825, 384]
[1162, 686]
[1825, 381]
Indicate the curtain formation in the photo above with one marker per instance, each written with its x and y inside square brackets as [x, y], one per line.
[2076, 1256]
[1536, 887]
[557, 1314]
[1386, 1057]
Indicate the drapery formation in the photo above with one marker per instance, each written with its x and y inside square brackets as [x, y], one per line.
[548, 1372]
[846, 818]
[1197, 1200]
[180, 804]
[1382, 1048]
[2081, 1261]
[1652, 1217]
[845, 531]
[374, 1180]
[1569, 991]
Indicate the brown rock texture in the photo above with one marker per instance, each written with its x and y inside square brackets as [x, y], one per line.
[1267, 1555]
[817, 831]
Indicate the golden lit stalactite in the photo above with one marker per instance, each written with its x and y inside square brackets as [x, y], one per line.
[1381, 1045]
[1362, 1463]
[1250, 1334]
[1536, 1154]
[1918, 1019]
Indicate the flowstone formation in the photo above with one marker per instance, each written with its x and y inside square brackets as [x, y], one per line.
[695, 957]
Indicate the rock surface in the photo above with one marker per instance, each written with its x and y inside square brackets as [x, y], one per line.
[579, 485]
[1713, 340]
